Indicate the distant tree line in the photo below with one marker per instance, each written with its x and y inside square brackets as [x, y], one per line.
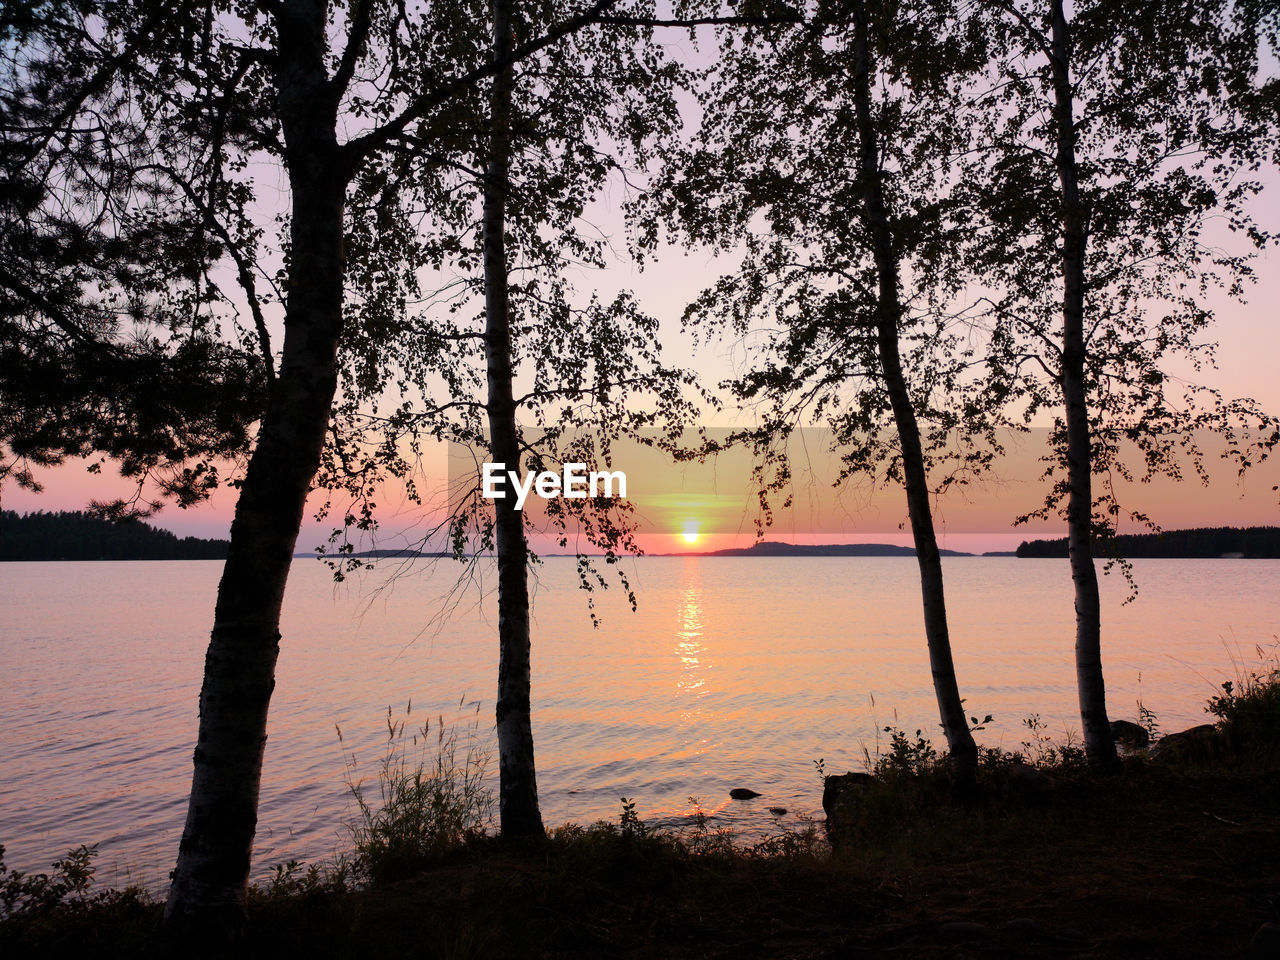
[1252, 542]
[75, 535]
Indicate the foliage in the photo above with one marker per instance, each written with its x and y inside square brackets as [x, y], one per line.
[1253, 542]
[702, 839]
[772, 176]
[585, 116]
[630, 826]
[432, 800]
[906, 756]
[824, 157]
[41, 912]
[1171, 131]
[1248, 709]
[25, 894]
[295, 879]
[114, 339]
[1042, 751]
[805, 842]
[1148, 720]
[634, 846]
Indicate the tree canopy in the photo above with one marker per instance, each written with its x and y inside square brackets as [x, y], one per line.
[113, 338]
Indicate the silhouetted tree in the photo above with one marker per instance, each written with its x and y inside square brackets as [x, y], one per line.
[1200, 542]
[111, 335]
[76, 535]
[1121, 132]
[399, 76]
[539, 376]
[824, 152]
[258, 82]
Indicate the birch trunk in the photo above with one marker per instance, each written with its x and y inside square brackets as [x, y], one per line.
[963, 751]
[207, 896]
[1100, 747]
[518, 785]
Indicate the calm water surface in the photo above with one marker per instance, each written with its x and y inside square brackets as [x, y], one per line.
[734, 672]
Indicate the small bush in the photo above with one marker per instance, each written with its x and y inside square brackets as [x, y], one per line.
[700, 839]
[804, 842]
[907, 756]
[1248, 711]
[43, 913]
[1042, 751]
[432, 801]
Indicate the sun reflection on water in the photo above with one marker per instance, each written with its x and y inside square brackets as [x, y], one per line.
[689, 646]
[692, 684]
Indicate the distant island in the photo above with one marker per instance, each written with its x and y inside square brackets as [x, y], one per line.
[393, 553]
[768, 548]
[780, 548]
[75, 535]
[1255, 543]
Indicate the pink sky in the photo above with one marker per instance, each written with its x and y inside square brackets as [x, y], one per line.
[1249, 339]
[717, 502]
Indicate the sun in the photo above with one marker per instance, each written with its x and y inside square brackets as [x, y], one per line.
[690, 533]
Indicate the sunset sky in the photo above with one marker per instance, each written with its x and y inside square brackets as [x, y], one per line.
[707, 506]
[671, 499]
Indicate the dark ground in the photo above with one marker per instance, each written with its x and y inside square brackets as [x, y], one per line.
[1145, 867]
[1153, 862]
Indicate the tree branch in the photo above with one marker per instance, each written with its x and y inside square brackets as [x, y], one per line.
[1036, 34]
[760, 21]
[244, 273]
[359, 148]
[357, 36]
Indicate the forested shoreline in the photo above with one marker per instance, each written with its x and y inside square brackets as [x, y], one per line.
[1259, 543]
[76, 535]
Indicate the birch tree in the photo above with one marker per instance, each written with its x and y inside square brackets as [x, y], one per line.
[824, 153]
[318, 91]
[403, 82]
[539, 376]
[518, 787]
[1122, 134]
[332, 98]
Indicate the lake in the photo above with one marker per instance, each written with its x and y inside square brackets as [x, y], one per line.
[733, 672]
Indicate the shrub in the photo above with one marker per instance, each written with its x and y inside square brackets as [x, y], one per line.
[1042, 751]
[295, 879]
[1248, 710]
[43, 913]
[907, 756]
[701, 839]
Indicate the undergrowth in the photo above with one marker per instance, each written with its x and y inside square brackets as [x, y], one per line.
[432, 800]
[1248, 709]
[47, 913]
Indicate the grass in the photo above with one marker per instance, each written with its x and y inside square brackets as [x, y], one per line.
[432, 800]
[1169, 859]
